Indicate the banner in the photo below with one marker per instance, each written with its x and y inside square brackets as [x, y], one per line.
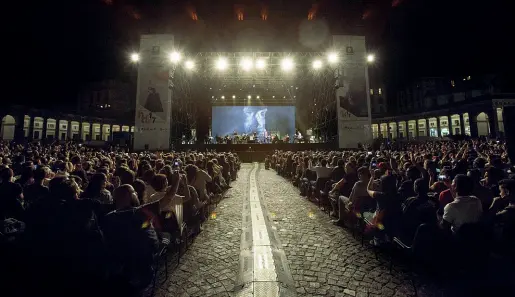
[153, 100]
[352, 97]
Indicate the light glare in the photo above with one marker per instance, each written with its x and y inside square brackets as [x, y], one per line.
[317, 64]
[287, 64]
[134, 57]
[332, 57]
[260, 64]
[189, 65]
[371, 58]
[221, 63]
[247, 64]
[175, 57]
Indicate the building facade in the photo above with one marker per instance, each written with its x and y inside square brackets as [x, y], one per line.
[107, 99]
[439, 107]
[19, 123]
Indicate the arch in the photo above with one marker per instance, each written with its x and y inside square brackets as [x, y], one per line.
[375, 130]
[26, 125]
[51, 126]
[116, 128]
[422, 129]
[38, 128]
[132, 129]
[125, 128]
[454, 120]
[411, 128]
[467, 124]
[106, 132]
[444, 126]
[75, 133]
[95, 132]
[8, 126]
[86, 131]
[483, 126]
[392, 130]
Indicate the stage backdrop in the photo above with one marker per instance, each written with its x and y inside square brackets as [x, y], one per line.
[153, 101]
[250, 119]
[352, 96]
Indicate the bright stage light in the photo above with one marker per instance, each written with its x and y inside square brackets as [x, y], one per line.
[221, 63]
[189, 65]
[287, 64]
[175, 57]
[317, 64]
[223, 97]
[260, 64]
[371, 58]
[248, 97]
[332, 57]
[233, 96]
[134, 57]
[257, 97]
[247, 64]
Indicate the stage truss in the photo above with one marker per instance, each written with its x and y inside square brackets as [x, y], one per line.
[194, 92]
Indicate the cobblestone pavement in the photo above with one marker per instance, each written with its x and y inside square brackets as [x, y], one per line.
[210, 265]
[325, 260]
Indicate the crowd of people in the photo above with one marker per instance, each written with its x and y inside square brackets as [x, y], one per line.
[451, 186]
[85, 221]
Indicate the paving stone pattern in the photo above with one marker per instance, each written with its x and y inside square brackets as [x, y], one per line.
[210, 265]
[325, 260]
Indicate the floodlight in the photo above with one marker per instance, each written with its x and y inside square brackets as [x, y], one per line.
[223, 97]
[233, 96]
[260, 64]
[248, 97]
[221, 63]
[175, 57]
[371, 58]
[287, 64]
[246, 64]
[134, 57]
[257, 97]
[189, 65]
[317, 64]
[332, 57]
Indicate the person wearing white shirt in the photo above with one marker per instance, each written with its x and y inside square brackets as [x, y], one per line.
[322, 171]
[465, 208]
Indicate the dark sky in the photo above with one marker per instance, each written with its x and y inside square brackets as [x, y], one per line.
[52, 48]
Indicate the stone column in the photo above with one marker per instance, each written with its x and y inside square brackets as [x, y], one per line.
[69, 133]
[90, 131]
[450, 125]
[493, 122]
[398, 130]
[31, 129]
[81, 132]
[473, 125]
[428, 132]
[462, 124]
[57, 132]
[438, 127]
[43, 131]
[110, 132]
[416, 129]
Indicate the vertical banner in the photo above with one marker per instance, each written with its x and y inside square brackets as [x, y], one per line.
[352, 97]
[153, 100]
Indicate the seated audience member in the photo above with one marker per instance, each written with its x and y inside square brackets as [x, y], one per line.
[388, 203]
[417, 210]
[37, 190]
[11, 196]
[321, 170]
[131, 239]
[465, 208]
[358, 199]
[482, 193]
[198, 181]
[96, 189]
[506, 219]
[406, 189]
[339, 171]
[140, 188]
[507, 191]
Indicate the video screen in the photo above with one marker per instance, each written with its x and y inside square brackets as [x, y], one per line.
[264, 120]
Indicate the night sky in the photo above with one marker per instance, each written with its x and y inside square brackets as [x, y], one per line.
[52, 48]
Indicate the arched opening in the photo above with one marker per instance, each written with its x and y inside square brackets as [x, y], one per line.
[106, 132]
[411, 128]
[455, 124]
[51, 126]
[392, 130]
[125, 128]
[375, 130]
[422, 129]
[38, 127]
[444, 126]
[96, 135]
[8, 126]
[433, 127]
[75, 130]
[482, 124]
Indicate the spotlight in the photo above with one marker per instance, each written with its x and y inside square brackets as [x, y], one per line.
[332, 57]
[371, 58]
[246, 64]
[317, 64]
[273, 96]
[223, 97]
[257, 97]
[221, 63]
[287, 64]
[260, 64]
[189, 65]
[134, 57]
[175, 57]
[212, 97]
[233, 96]
[248, 97]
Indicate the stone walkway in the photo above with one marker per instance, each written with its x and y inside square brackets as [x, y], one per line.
[324, 260]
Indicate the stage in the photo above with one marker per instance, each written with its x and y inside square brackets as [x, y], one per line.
[257, 152]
